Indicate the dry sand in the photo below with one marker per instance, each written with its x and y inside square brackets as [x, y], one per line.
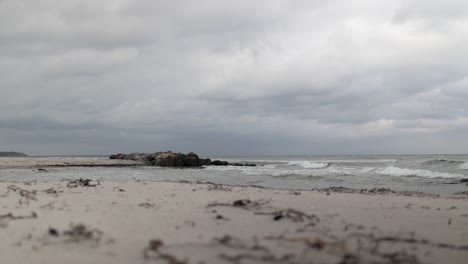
[114, 222]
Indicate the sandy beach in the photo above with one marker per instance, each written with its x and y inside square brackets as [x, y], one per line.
[233, 132]
[179, 222]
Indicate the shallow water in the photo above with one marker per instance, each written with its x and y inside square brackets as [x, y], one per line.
[432, 174]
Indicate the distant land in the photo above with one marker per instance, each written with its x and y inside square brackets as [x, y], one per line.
[12, 154]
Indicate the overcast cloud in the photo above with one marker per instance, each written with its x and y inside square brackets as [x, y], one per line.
[234, 77]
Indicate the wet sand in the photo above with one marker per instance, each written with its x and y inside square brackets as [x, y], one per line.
[28, 162]
[164, 222]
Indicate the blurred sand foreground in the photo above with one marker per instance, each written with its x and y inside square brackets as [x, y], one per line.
[178, 222]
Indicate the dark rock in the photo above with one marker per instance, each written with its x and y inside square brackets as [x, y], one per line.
[216, 163]
[191, 161]
[180, 158]
[204, 162]
[150, 158]
[464, 180]
[219, 163]
[135, 156]
[171, 159]
[118, 156]
[167, 159]
[250, 165]
[191, 154]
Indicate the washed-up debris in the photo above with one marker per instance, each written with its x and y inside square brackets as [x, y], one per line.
[77, 233]
[27, 194]
[374, 191]
[315, 243]
[218, 187]
[29, 183]
[80, 231]
[349, 254]
[419, 241]
[10, 216]
[251, 251]
[221, 217]
[53, 232]
[232, 242]
[292, 214]
[152, 251]
[266, 258]
[146, 205]
[82, 183]
[242, 203]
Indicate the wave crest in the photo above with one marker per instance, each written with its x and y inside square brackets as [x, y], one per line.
[399, 172]
[464, 166]
[309, 165]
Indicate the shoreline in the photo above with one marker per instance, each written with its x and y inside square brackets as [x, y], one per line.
[48, 164]
[160, 222]
[36, 163]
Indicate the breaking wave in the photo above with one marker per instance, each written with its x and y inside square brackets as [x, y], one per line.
[399, 172]
[464, 166]
[309, 165]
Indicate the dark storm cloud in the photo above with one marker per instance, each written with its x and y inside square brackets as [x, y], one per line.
[233, 77]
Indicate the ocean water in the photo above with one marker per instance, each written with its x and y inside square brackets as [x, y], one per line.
[425, 173]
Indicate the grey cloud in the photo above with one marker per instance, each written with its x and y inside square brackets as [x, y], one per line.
[223, 77]
[432, 10]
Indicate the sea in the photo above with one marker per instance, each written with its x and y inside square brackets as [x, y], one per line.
[438, 174]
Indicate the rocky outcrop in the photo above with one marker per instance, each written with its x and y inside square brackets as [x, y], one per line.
[219, 163]
[172, 159]
[12, 154]
[164, 159]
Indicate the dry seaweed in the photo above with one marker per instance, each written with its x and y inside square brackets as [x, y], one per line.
[152, 251]
[232, 242]
[10, 216]
[82, 183]
[218, 187]
[27, 194]
[77, 233]
[267, 258]
[374, 191]
[146, 205]
[293, 215]
[242, 203]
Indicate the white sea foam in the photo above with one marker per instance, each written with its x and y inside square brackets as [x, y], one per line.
[288, 170]
[464, 166]
[309, 165]
[399, 172]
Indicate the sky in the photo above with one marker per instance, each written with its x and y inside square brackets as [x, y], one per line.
[277, 77]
